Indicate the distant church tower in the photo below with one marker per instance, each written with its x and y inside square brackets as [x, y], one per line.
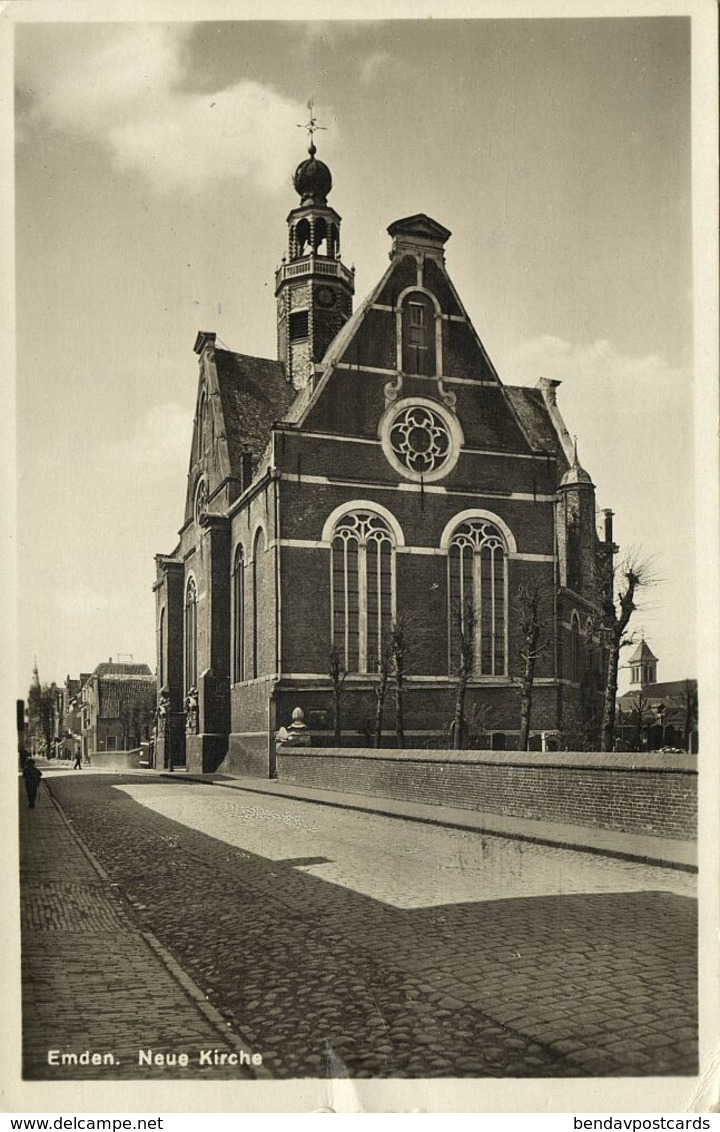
[643, 666]
[313, 288]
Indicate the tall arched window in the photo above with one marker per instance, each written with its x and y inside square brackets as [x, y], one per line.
[575, 649]
[477, 564]
[362, 588]
[190, 635]
[161, 650]
[588, 659]
[239, 616]
[258, 551]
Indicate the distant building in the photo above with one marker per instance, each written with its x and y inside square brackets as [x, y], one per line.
[117, 707]
[653, 715]
[69, 740]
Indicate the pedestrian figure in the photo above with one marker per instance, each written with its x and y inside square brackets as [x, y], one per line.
[32, 777]
[77, 765]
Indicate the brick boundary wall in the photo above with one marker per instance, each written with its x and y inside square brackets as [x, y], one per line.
[115, 760]
[654, 794]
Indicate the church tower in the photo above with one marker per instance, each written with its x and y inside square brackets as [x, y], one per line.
[643, 666]
[313, 288]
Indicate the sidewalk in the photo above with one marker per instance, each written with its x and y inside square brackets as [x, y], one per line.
[665, 851]
[92, 981]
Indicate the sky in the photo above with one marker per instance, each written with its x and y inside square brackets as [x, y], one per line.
[153, 166]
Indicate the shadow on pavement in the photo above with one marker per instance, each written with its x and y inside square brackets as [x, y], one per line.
[325, 980]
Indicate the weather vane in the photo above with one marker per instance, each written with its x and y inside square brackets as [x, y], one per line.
[311, 126]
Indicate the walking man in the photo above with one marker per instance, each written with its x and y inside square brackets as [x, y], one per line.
[77, 765]
[32, 777]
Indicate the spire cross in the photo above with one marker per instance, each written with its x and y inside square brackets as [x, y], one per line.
[311, 126]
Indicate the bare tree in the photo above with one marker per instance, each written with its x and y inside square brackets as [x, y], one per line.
[137, 716]
[576, 733]
[618, 604]
[641, 715]
[399, 649]
[464, 620]
[532, 622]
[478, 721]
[381, 686]
[337, 673]
[621, 722]
[690, 697]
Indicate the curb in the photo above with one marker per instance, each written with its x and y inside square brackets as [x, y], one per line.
[229, 1036]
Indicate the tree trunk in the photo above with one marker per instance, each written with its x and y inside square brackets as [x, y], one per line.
[399, 721]
[608, 723]
[526, 697]
[459, 717]
[337, 721]
[380, 693]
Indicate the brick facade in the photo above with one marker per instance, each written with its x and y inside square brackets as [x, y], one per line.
[452, 490]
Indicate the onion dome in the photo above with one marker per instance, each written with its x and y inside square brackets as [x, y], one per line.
[312, 180]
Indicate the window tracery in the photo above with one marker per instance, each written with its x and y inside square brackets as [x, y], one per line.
[363, 566]
[190, 635]
[477, 564]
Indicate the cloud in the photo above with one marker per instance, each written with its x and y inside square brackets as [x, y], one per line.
[633, 416]
[79, 602]
[124, 91]
[162, 441]
[636, 402]
[619, 397]
[548, 356]
[372, 65]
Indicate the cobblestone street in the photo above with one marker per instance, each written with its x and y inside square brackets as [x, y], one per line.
[338, 943]
[89, 973]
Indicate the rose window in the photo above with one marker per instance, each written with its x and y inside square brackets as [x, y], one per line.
[420, 439]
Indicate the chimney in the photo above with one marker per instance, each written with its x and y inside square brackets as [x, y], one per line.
[608, 524]
[204, 338]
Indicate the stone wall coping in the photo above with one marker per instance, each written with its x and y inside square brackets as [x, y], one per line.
[585, 760]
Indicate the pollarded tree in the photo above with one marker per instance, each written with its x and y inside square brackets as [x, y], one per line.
[381, 685]
[619, 604]
[337, 673]
[464, 620]
[399, 648]
[532, 619]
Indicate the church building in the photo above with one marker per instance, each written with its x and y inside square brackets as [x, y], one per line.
[377, 473]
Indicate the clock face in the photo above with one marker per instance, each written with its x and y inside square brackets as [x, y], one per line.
[325, 297]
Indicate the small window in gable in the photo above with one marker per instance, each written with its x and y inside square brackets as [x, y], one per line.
[418, 334]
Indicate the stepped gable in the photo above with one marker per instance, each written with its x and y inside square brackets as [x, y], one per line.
[254, 394]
